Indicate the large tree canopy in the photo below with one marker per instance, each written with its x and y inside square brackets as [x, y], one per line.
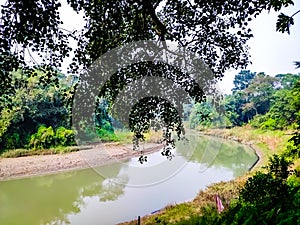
[204, 27]
[217, 31]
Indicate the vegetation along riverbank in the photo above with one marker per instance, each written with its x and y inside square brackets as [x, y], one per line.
[263, 112]
[203, 209]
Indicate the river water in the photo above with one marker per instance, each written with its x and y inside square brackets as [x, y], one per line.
[122, 191]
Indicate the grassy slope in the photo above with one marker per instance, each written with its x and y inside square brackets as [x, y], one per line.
[268, 143]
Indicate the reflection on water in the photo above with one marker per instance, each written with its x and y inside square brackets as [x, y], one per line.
[85, 197]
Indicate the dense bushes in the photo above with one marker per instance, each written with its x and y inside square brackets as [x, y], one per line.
[271, 197]
[13, 141]
[47, 138]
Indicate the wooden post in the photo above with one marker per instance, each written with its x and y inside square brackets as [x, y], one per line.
[139, 220]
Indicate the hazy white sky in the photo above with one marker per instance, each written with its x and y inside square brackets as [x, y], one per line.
[271, 52]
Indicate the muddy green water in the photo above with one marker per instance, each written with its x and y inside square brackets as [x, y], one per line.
[122, 191]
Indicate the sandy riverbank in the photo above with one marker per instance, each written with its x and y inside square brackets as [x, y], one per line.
[95, 155]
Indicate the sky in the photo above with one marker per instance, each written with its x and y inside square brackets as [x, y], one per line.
[270, 51]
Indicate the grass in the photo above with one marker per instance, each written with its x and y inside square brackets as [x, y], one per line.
[14, 153]
[171, 214]
[203, 202]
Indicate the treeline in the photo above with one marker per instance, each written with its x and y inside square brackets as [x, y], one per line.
[271, 195]
[36, 113]
[258, 99]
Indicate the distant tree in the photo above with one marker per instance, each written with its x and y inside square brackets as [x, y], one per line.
[35, 103]
[260, 92]
[283, 108]
[234, 108]
[201, 115]
[242, 80]
[287, 81]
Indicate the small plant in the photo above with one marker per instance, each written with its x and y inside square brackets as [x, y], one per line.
[12, 141]
[106, 135]
[270, 124]
[64, 137]
[44, 138]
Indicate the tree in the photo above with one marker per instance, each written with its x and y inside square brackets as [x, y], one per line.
[260, 91]
[242, 80]
[287, 81]
[283, 110]
[34, 103]
[201, 115]
[234, 108]
[238, 107]
[203, 27]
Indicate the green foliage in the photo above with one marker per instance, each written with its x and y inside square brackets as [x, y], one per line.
[251, 96]
[13, 141]
[293, 148]
[106, 135]
[174, 214]
[33, 103]
[267, 102]
[204, 115]
[259, 93]
[208, 215]
[284, 108]
[28, 152]
[201, 114]
[216, 31]
[287, 81]
[64, 137]
[44, 138]
[263, 101]
[269, 124]
[271, 196]
[242, 80]
[234, 108]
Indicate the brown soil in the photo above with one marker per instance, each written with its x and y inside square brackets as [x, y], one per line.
[95, 155]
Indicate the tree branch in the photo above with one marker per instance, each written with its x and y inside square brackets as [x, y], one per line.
[295, 13]
[151, 12]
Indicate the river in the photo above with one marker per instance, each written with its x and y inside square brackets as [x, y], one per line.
[122, 191]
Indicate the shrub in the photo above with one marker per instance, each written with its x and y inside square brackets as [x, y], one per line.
[258, 120]
[270, 124]
[106, 135]
[47, 138]
[64, 137]
[44, 138]
[12, 141]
